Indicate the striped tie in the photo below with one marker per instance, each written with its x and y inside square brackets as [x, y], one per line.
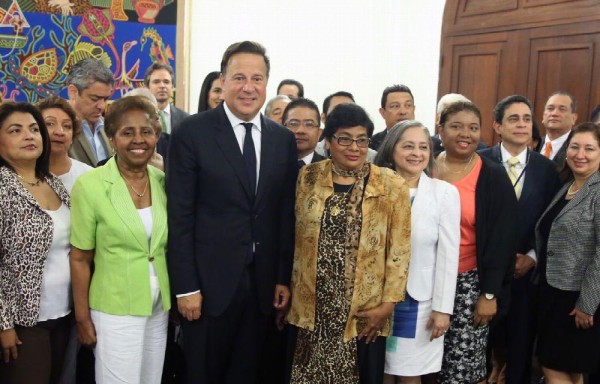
[513, 175]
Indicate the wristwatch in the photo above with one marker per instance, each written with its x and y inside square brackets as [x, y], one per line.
[489, 296]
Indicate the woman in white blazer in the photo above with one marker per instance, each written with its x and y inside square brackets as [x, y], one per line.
[416, 345]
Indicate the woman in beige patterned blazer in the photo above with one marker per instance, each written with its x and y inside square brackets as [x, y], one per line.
[351, 257]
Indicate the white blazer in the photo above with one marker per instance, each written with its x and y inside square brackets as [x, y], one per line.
[435, 240]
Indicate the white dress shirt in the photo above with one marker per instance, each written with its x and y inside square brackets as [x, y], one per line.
[167, 116]
[308, 158]
[556, 144]
[521, 175]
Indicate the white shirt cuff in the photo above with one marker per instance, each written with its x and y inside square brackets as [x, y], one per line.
[187, 294]
[532, 254]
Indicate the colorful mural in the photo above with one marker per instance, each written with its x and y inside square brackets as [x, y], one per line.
[40, 40]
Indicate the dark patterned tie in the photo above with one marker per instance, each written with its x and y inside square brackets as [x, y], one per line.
[250, 156]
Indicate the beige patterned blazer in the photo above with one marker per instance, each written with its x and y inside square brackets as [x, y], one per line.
[384, 246]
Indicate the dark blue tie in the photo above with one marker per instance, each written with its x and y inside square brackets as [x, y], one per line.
[250, 157]
[301, 164]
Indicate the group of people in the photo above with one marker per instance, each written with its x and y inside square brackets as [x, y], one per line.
[290, 252]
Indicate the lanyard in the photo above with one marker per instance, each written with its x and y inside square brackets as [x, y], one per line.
[522, 171]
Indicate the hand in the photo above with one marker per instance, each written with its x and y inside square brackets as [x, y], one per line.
[282, 296]
[86, 332]
[582, 319]
[281, 303]
[190, 306]
[484, 311]
[9, 341]
[376, 318]
[439, 323]
[523, 264]
[157, 161]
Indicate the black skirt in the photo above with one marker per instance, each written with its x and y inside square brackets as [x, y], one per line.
[561, 345]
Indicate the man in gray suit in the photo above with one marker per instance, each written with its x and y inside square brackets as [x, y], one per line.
[90, 85]
[159, 79]
[559, 118]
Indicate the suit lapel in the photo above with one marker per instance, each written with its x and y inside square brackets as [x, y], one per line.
[228, 144]
[87, 148]
[121, 200]
[531, 178]
[581, 195]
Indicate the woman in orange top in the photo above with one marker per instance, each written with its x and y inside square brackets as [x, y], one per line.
[487, 244]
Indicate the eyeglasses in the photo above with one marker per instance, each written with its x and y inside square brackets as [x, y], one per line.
[345, 141]
[295, 124]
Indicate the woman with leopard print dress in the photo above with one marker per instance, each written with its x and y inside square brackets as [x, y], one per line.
[34, 251]
[351, 257]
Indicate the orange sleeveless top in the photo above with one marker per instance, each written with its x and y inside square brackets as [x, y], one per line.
[467, 259]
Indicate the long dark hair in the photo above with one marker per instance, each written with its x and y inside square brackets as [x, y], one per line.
[205, 90]
[42, 164]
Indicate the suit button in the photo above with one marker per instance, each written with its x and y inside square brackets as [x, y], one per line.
[257, 243]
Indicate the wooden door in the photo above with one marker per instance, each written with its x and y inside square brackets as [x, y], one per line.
[493, 49]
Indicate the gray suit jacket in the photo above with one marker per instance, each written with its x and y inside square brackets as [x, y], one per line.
[561, 155]
[573, 252]
[82, 149]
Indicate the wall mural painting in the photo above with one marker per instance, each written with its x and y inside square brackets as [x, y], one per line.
[40, 40]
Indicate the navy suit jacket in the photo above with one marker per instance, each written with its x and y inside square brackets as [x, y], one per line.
[214, 218]
[539, 187]
[177, 116]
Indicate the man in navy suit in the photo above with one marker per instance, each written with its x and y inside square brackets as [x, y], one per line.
[230, 183]
[535, 181]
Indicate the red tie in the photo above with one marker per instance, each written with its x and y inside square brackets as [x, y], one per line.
[548, 150]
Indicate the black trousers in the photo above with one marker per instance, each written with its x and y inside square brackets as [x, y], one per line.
[41, 354]
[225, 349]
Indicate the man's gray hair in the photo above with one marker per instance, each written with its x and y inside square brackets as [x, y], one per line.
[270, 103]
[88, 71]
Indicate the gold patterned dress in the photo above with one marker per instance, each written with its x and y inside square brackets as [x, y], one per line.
[322, 356]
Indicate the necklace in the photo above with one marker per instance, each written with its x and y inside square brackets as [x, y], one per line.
[133, 189]
[32, 184]
[462, 170]
[570, 191]
[336, 209]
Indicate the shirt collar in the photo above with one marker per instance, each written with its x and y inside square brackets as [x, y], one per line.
[167, 110]
[308, 158]
[506, 155]
[97, 126]
[559, 141]
[235, 121]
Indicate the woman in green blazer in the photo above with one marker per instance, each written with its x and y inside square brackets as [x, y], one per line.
[119, 222]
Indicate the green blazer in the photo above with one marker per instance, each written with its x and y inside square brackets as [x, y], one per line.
[104, 218]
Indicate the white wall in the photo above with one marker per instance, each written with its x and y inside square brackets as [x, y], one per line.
[328, 45]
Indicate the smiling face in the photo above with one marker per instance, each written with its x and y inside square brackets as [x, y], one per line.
[60, 130]
[348, 157]
[20, 139]
[412, 153]
[583, 154]
[134, 140]
[245, 84]
[461, 133]
[516, 126]
[214, 95]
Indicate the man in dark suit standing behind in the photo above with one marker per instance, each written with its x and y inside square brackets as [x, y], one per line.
[230, 183]
[559, 118]
[301, 117]
[159, 79]
[535, 181]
